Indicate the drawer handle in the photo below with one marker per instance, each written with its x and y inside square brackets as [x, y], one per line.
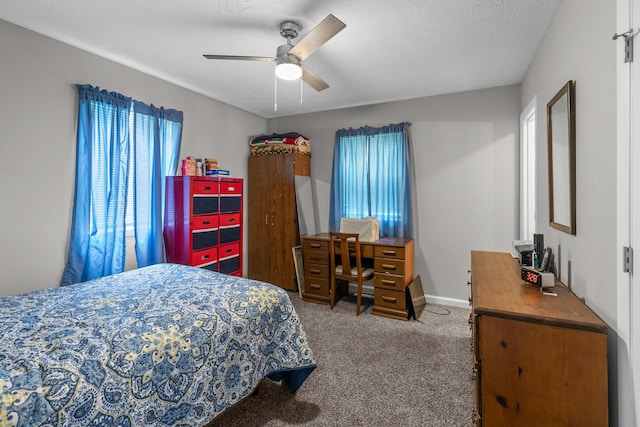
[314, 286]
[389, 299]
[206, 222]
[388, 282]
[314, 245]
[316, 258]
[314, 271]
[203, 257]
[388, 252]
[206, 187]
[232, 188]
[231, 220]
[229, 250]
[388, 267]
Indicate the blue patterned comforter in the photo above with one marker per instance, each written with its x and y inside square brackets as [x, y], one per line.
[162, 345]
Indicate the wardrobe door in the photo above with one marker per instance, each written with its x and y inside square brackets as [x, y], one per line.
[284, 221]
[260, 210]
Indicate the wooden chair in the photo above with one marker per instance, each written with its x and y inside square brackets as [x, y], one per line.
[349, 265]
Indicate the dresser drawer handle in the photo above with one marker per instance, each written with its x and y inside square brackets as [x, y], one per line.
[388, 252]
[389, 299]
[206, 222]
[314, 271]
[388, 282]
[314, 286]
[232, 188]
[315, 258]
[231, 220]
[388, 267]
[203, 257]
[314, 245]
[206, 187]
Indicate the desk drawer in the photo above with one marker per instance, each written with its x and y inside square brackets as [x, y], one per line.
[316, 270]
[396, 252]
[315, 245]
[316, 285]
[316, 257]
[388, 265]
[391, 299]
[388, 281]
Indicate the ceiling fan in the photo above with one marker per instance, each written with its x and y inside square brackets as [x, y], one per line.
[289, 57]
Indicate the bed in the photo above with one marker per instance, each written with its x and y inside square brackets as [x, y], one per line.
[162, 345]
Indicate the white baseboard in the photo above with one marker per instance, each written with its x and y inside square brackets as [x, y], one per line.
[452, 302]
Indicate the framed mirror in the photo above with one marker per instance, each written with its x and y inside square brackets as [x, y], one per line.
[561, 152]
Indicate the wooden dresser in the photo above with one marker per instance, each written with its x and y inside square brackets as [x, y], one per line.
[538, 360]
[392, 260]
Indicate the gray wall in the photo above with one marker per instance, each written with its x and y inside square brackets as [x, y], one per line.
[578, 46]
[38, 109]
[466, 156]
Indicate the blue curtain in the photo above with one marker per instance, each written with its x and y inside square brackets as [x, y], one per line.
[97, 240]
[373, 176]
[157, 138]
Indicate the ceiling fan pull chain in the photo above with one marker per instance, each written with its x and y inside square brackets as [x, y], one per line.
[275, 93]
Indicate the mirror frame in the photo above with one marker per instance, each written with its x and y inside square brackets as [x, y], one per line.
[565, 94]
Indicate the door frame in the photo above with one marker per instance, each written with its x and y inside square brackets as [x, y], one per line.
[628, 221]
[528, 171]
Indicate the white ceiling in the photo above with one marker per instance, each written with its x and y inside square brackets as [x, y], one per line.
[390, 50]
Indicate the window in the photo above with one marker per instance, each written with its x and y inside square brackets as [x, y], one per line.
[124, 150]
[129, 217]
[142, 133]
[373, 176]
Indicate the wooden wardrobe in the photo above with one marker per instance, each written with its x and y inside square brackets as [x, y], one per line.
[273, 216]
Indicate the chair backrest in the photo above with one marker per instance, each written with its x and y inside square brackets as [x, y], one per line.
[349, 246]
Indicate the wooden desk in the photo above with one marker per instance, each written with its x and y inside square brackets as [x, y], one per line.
[393, 272]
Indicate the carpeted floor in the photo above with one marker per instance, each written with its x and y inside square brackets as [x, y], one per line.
[372, 371]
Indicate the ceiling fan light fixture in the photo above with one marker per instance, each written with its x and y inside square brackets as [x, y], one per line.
[288, 68]
[289, 58]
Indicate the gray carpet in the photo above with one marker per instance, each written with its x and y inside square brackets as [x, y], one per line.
[372, 371]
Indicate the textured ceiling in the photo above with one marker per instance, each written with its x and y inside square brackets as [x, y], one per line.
[389, 51]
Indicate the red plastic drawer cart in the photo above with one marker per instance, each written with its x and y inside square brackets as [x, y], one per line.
[203, 222]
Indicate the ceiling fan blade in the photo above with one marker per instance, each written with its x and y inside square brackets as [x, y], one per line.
[313, 80]
[243, 58]
[321, 33]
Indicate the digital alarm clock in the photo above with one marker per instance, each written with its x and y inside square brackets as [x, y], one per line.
[541, 279]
